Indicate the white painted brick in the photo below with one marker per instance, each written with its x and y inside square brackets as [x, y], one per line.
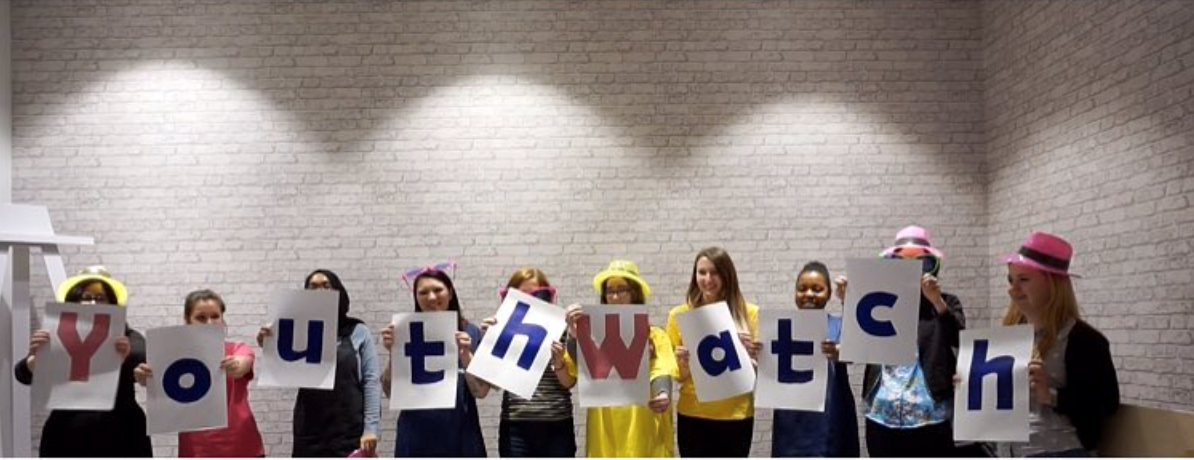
[238, 145]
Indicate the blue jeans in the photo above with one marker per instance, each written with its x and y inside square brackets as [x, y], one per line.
[517, 438]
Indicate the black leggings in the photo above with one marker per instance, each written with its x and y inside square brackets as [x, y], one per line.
[936, 440]
[699, 437]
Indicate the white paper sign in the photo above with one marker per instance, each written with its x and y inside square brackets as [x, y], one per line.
[793, 372]
[718, 361]
[991, 403]
[79, 369]
[516, 351]
[881, 311]
[188, 391]
[301, 350]
[613, 343]
[425, 361]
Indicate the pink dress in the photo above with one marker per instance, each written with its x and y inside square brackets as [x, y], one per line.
[241, 438]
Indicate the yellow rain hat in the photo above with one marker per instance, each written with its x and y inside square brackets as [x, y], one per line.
[622, 269]
[93, 273]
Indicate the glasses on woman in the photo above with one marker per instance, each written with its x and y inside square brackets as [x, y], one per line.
[97, 298]
[618, 292]
[929, 262]
[546, 293]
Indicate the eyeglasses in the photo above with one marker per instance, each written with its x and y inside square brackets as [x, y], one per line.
[929, 262]
[88, 298]
[546, 293]
[618, 292]
[414, 273]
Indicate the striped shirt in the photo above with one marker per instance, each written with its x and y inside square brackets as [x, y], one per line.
[551, 401]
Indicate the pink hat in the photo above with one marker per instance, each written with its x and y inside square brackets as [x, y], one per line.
[913, 236]
[1045, 252]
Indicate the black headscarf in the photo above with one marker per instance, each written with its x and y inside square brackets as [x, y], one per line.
[347, 323]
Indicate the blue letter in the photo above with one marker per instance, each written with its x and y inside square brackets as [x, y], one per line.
[314, 350]
[705, 354]
[980, 366]
[784, 347]
[534, 332]
[174, 373]
[418, 350]
[867, 322]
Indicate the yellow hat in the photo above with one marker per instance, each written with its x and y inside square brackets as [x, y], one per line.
[93, 273]
[621, 269]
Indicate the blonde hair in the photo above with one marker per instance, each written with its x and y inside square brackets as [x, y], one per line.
[1062, 307]
[729, 284]
[525, 274]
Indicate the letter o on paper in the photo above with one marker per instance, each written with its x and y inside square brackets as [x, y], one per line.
[171, 380]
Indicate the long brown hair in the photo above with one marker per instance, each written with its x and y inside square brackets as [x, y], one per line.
[729, 284]
[1063, 306]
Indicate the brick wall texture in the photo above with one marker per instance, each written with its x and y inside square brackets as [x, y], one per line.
[238, 145]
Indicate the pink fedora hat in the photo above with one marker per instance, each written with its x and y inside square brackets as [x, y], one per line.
[1044, 252]
[913, 236]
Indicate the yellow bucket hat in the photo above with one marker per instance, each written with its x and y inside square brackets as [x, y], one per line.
[93, 273]
[622, 269]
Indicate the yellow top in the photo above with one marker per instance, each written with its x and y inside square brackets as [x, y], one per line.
[736, 408]
[636, 431]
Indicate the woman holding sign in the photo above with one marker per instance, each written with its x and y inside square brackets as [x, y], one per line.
[721, 428]
[452, 432]
[1072, 379]
[834, 432]
[632, 431]
[241, 437]
[908, 409]
[119, 432]
[541, 426]
[338, 422]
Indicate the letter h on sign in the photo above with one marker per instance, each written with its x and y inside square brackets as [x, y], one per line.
[980, 367]
[535, 334]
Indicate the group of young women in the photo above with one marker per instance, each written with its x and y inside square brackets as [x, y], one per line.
[907, 408]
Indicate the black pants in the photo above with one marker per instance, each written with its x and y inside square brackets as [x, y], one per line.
[935, 440]
[699, 437]
[518, 438]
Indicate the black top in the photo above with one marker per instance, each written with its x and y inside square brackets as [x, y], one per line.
[937, 341]
[1091, 394]
[119, 432]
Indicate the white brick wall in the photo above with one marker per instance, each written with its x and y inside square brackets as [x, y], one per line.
[1088, 120]
[238, 145]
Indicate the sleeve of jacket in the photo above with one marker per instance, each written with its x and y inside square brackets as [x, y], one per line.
[371, 377]
[1091, 394]
[22, 372]
[953, 321]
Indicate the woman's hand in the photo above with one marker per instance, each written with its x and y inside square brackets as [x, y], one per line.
[932, 291]
[682, 361]
[485, 323]
[574, 313]
[369, 444]
[831, 350]
[660, 402]
[1038, 383]
[464, 347]
[142, 373]
[840, 287]
[40, 338]
[123, 348]
[262, 333]
[752, 347]
[236, 366]
[387, 337]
